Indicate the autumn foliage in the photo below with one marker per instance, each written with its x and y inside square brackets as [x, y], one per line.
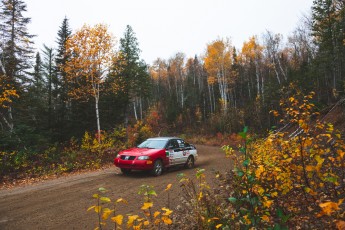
[291, 178]
[149, 218]
[294, 178]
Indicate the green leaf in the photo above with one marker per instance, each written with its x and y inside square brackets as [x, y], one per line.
[331, 179]
[245, 129]
[243, 135]
[180, 175]
[280, 213]
[276, 227]
[242, 149]
[152, 192]
[240, 173]
[232, 199]
[251, 178]
[285, 218]
[101, 189]
[246, 162]
[200, 172]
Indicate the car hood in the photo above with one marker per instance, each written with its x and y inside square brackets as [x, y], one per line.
[139, 151]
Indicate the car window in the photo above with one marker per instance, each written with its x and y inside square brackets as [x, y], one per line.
[180, 143]
[153, 144]
[173, 144]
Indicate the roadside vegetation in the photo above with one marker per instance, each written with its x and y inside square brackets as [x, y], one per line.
[286, 180]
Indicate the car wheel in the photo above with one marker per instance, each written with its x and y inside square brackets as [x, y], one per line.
[125, 171]
[190, 162]
[157, 168]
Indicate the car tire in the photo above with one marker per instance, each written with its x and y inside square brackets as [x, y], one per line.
[157, 168]
[125, 171]
[190, 162]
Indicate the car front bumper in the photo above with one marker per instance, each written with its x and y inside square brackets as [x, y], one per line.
[134, 164]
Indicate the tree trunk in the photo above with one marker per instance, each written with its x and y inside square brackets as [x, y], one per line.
[98, 120]
[135, 111]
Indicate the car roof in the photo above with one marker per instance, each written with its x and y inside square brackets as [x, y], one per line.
[163, 138]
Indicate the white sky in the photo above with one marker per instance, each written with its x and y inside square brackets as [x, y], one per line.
[165, 27]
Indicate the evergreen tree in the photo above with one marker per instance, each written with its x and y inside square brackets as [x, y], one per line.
[48, 67]
[17, 51]
[129, 75]
[328, 26]
[16, 41]
[62, 108]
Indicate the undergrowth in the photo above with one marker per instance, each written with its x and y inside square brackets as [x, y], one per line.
[289, 180]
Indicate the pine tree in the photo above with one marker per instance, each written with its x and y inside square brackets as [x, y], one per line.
[328, 26]
[16, 50]
[62, 107]
[129, 75]
[16, 41]
[48, 68]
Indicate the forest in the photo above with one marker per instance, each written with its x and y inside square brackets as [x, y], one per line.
[71, 106]
[85, 86]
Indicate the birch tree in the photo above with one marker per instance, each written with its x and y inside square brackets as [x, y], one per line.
[251, 55]
[218, 63]
[91, 52]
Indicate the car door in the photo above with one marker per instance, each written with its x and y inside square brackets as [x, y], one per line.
[184, 151]
[175, 152]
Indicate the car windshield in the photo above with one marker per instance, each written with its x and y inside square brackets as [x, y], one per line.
[153, 144]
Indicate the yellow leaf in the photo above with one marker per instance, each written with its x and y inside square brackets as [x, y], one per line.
[341, 153]
[121, 200]
[131, 219]
[309, 168]
[98, 209]
[166, 220]
[260, 170]
[137, 227]
[218, 226]
[329, 207]
[106, 213]
[340, 225]
[105, 199]
[267, 203]
[274, 194]
[248, 221]
[156, 214]
[265, 218]
[157, 221]
[95, 195]
[319, 160]
[261, 191]
[168, 187]
[117, 219]
[147, 205]
[146, 223]
[200, 196]
[167, 211]
[90, 208]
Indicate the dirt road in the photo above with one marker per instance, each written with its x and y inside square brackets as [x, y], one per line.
[62, 203]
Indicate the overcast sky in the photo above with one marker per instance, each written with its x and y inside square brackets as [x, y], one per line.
[165, 27]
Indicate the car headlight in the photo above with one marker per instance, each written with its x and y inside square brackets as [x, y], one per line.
[143, 158]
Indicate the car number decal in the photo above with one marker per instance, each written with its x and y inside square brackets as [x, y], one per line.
[185, 152]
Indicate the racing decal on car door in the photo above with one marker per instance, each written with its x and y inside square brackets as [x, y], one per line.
[171, 156]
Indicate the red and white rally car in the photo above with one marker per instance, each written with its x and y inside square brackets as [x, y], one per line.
[157, 153]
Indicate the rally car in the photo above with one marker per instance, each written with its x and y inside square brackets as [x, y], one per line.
[156, 154]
